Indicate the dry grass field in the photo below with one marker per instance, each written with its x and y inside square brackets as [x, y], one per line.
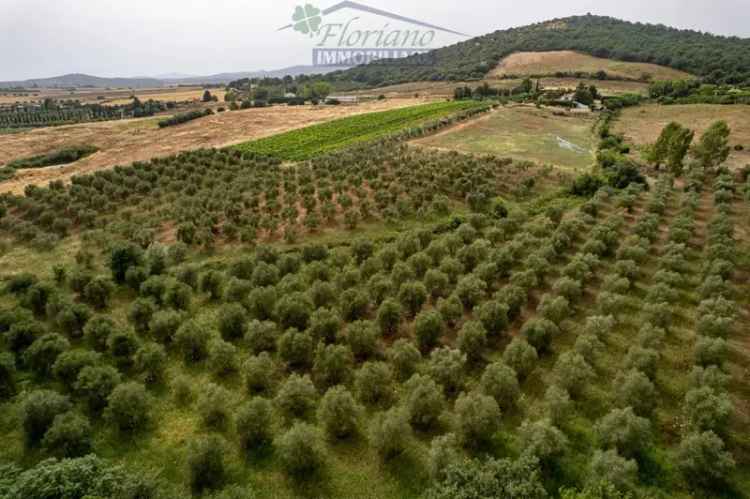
[122, 142]
[642, 125]
[523, 133]
[546, 63]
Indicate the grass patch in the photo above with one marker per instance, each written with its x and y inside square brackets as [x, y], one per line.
[524, 133]
[304, 143]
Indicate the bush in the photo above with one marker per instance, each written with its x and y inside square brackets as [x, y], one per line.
[472, 340]
[412, 296]
[444, 452]
[261, 336]
[324, 325]
[428, 328]
[493, 315]
[573, 373]
[214, 407]
[42, 354]
[373, 383]
[68, 436]
[404, 357]
[389, 316]
[182, 390]
[588, 346]
[707, 410]
[354, 304]
[477, 419]
[38, 412]
[624, 431]
[7, 375]
[609, 467]
[437, 283]
[123, 257]
[70, 363]
[296, 349]
[129, 407]
[470, 290]
[557, 404]
[389, 433]
[165, 324]
[222, 357]
[301, 451]
[192, 341]
[293, 311]
[212, 283]
[501, 383]
[232, 320]
[151, 362]
[539, 333]
[423, 401]
[260, 373]
[634, 389]
[98, 292]
[254, 424]
[339, 413]
[122, 346]
[362, 337]
[703, 460]
[297, 397]
[97, 332]
[521, 357]
[708, 351]
[543, 440]
[140, 314]
[333, 364]
[205, 461]
[470, 479]
[94, 384]
[446, 366]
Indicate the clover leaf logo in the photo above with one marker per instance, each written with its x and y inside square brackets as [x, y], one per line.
[307, 19]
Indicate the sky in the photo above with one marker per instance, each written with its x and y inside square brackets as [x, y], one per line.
[42, 38]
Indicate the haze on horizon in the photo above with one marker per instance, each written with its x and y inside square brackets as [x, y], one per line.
[44, 38]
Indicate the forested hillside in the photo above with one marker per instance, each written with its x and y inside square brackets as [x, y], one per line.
[718, 59]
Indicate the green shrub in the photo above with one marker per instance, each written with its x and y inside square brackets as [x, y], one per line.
[703, 459]
[544, 441]
[192, 341]
[634, 389]
[539, 333]
[573, 373]
[324, 325]
[423, 400]
[98, 292]
[205, 462]
[122, 346]
[362, 337]
[472, 340]
[624, 431]
[129, 407]
[38, 412]
[214, 406]
[97, 332]
[301, 451]
[42, 354]
[151, 362]
[296, 397]
[261, 336]
[333, 364]
[477, 419]
[68, 436]
[140, 314]
[373, 383]
[501, 383]
[611, 468]
[254, 424]
[165, 324]
[428, 328]
[296, 349]
[707, 410]
[404, 357]
[260, 373]
[389, 316]
[389, 433]
[339, 413]
[94, 385]
[520, 356]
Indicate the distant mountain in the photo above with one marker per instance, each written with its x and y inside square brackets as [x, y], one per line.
[81, 80]
[718, 59]
[87, 81]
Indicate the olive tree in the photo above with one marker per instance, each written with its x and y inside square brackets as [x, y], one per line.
[296, 397]
[389, 433]
[500, 382]
[520, 356]
[423, 400]
[129, 407]
[703, 459]
[477, 418]
[339, 413]
[254, 424]
[624, 431]
[301, 450]
[404, 357]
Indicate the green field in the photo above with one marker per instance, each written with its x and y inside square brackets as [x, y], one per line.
[524, 133]
[302, 144]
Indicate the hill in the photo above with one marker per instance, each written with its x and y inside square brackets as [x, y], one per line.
[717, 58]
[564, 62]
[79, 80]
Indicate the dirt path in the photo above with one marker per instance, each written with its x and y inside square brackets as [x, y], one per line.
[122, 142]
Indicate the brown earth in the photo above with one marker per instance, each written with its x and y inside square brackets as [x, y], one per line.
[122, 142]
